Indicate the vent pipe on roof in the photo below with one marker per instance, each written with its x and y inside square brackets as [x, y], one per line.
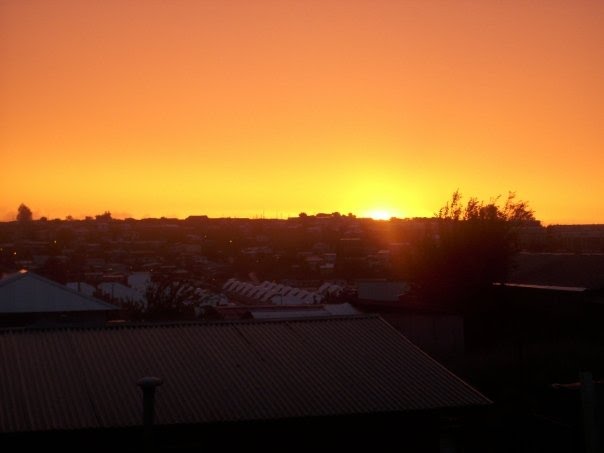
[148, 385]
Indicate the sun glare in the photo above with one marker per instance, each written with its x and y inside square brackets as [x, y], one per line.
[379, 214]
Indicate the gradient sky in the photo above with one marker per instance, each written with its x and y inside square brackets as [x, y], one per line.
[249, 108]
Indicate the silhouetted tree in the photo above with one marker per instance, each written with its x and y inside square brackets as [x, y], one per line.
[168, 299]
[514, 212]
[471, 247]
[24, 214]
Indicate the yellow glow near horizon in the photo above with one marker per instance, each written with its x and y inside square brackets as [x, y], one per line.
[272, 108]
[379, 214]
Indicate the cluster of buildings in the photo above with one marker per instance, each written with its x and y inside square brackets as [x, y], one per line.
[287, 338]
[74, 374]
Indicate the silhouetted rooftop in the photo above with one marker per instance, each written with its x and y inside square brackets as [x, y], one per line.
[77, 378]
[559, 269]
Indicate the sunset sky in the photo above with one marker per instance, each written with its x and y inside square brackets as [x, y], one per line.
[269, 108]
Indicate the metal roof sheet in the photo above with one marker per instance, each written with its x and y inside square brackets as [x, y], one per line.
[86, 378]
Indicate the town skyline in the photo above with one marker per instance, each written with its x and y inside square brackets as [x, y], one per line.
[376, 215]
[24, 213]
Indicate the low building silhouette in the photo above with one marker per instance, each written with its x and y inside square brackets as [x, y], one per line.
[332, 382]
[29, 299]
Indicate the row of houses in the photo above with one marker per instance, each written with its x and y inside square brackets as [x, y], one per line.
[276, 293]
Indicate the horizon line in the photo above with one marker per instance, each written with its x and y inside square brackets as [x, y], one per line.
[263, 217]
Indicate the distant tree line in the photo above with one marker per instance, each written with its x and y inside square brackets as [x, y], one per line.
[24, 215]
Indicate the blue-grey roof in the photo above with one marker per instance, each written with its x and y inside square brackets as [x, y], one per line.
[215, 372]
[27, 292]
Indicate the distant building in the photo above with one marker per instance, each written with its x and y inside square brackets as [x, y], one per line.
[82, 287]
[118, 291]
[27, 298]
[197, 219]
[272, 293]
[139, 281]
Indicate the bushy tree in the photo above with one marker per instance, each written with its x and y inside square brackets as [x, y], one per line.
[471, 247]
[168, 299]
[514, 212]
[24, 214]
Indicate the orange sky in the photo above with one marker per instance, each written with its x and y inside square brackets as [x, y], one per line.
[250, 108]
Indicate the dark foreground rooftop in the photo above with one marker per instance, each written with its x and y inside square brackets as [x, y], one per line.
[85, 378]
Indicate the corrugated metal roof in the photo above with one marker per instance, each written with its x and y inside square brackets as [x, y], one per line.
[30, 293]
[86, 378]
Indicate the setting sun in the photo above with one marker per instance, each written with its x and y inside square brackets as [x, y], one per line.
[271, 108]
[379, 214]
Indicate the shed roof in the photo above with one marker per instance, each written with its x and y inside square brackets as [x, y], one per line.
[27, 292]
[559, 269]
[76, 378]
